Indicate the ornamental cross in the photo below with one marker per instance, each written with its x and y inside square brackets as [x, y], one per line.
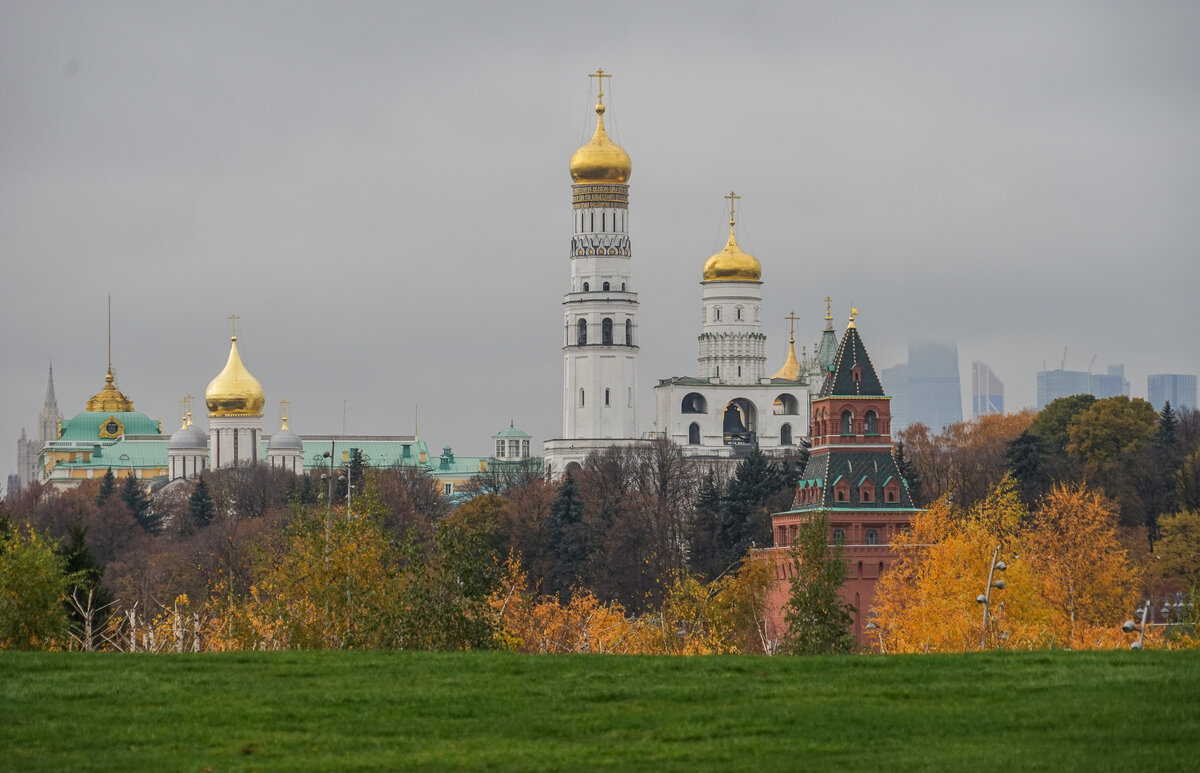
[791, 318]
[733, 197]
[234, 319]
[600, 75]
[828, 307]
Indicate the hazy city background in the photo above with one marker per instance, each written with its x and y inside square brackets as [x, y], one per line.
[380, 191]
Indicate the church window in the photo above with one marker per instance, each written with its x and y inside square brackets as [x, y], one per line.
[716, 313]
[622, 287]
[872, 537]
[606, 287]
[582, 400]
[737, 313]
[872, 423]
[694, 402]
[603, 221]
[694, 434]
[839, 536]
[629, 332]
[846, 419]
[586, 287]
[606, 332]
[739, 371]
[785, 435]
[606, 402]
[582, 326]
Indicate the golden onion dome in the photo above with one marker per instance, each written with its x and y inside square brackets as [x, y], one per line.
[601, 160]
[731, 264]
[234, 392]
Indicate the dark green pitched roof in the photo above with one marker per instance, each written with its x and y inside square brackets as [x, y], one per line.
[840, 380]
[825, 469]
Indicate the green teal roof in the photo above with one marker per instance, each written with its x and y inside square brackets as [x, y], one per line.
[376, 453]
[123, 454]
[85, 425]
[511, 431]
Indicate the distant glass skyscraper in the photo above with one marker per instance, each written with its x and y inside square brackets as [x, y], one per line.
[1177, 389]
[987, 390]
[926, 389]
[1053, 384]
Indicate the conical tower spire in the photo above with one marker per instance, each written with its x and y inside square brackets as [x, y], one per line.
[791, 366]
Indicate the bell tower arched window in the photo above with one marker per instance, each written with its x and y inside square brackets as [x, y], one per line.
[629, 332]
[872, 423]
[847, 418]
[694, 434]
[582, 337]
[606, 332]
[606, 287]
[785, 435]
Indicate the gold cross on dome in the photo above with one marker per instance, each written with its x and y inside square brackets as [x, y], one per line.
[234, 318]
[600, 75]
[791, 318]
[733, 197]
[284, 404]
[828, 307]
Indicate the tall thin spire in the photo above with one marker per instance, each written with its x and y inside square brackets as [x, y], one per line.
[110, 333]
[51, 401]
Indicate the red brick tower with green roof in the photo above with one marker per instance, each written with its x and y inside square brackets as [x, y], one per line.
[852, 476]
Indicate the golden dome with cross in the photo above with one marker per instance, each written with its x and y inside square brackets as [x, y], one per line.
[234, 392]
[731, 264]
[601, 160]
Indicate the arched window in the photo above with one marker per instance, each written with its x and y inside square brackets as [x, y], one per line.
[582, 401]
[606, 397]
[872, 423]
[737, 313]
[872, 537]
[839, 536]
[606, 287]
[694, 402]
[787, 405]
[629, 332]
[622, 287]
[716, 314]
[606, 332]
[582, 337]
[785, 435]
[860, 569]
[847, 416]
[694, 434]
[586, 287]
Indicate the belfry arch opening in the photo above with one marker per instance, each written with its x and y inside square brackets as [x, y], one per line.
[694, 402]
[786, 405]
[739, 423]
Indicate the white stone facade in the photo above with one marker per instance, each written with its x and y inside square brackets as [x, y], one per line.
[233, 440]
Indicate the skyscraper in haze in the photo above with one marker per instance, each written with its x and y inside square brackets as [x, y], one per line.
[987, 390]
[1053, 384]
[926, 389]
[1174, 388]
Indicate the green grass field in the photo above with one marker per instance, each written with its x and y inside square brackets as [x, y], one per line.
[317, 711]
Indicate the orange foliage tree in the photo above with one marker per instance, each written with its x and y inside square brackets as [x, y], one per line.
[1067, 583]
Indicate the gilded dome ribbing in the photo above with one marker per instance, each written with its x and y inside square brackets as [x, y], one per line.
[234, 392]
[601, 160]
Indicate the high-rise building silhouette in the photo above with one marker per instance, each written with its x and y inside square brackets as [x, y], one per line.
[987, 390]
[926, 389]
[1177, 389]
[1053, 384]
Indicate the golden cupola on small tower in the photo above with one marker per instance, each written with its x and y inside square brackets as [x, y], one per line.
[601, 160]
[234, 392]
[732, 264]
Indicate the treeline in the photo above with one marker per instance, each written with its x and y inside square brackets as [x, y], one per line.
[643, 550]
[1146, 463]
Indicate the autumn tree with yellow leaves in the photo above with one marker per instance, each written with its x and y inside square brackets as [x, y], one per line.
[1068, 582]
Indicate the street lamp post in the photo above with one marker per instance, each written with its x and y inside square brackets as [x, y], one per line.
[1173, 605]
[985, 598]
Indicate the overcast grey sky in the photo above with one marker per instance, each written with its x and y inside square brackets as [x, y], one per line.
[380, 191]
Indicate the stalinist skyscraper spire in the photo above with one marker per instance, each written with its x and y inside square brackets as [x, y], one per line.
[600, 331]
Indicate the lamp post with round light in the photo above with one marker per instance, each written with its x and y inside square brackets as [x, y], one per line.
[985, 598]
[1172, 611]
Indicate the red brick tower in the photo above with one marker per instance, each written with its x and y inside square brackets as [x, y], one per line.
[852, 476]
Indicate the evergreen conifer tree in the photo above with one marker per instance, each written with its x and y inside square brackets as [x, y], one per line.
[909, 472]
[704, 553]
[85, 573]
[200, 505]
[818, 621]
[1167, 433]
[108, 484]
[135, 498]
[746, 520]
[566, 538]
